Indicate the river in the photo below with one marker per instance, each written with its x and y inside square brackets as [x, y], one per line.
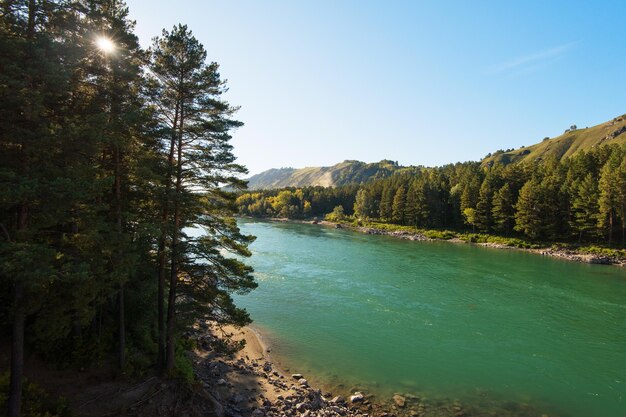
[440, 320]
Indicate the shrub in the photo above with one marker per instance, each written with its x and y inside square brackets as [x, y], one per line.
[337, 215]
[597, 250]
[36, 402]
[439, 234]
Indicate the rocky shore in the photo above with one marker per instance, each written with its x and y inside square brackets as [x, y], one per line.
[562, 253]
[248, 383]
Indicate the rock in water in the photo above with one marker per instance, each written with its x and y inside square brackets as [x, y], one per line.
[357, 397]
[399, 400]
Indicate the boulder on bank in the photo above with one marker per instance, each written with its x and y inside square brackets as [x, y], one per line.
[357, 397]
[399, 400]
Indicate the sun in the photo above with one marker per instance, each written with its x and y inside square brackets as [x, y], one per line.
[106, 45]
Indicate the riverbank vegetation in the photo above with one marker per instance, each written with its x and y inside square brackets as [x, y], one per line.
[108, 155]
[579, 200]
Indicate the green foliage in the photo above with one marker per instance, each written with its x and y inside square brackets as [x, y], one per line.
[299, 203]
[364, 206]
[440, 234]
[568, 145]
[482, 214]
[582, 197]
[183, 366]
[91, 187]
[35, 401]
[503, 211]
[398, 207]
[603, 251]
[497, 240]
[585, 207]
[337, 215]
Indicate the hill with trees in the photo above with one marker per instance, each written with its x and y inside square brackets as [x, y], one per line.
[572, 141]
[580, 199]
[343, 173]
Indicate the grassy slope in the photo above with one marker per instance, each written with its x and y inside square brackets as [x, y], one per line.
[567, 144]
[348, 172]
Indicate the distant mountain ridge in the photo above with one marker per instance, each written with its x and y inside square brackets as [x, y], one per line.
[343, 173]
[573, 140]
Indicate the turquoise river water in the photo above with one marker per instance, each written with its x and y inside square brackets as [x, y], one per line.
[440, 320]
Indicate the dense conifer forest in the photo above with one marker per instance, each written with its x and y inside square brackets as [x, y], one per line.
[578, 199]
[109, 154]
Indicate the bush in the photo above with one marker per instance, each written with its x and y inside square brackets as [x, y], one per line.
[183, 366]
[337, 215]
[597, 250]
[439, 234]
[36, 402]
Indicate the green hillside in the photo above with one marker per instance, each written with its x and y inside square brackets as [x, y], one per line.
[346, 172]
[356, 172]
[570, 142]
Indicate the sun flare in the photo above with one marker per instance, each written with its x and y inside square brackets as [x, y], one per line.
[106, 45]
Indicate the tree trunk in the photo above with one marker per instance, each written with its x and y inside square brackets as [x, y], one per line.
[14, 401]
[610, 227]
[114, 115]
[17, 342]
[32, 9]
[17, 353]
[162, 244]
[171, 306]
[623, 225]
[122, 328]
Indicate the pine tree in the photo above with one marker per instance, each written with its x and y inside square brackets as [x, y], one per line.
[469, 200]
[386, 202]
[200, 162]
[503, 210]
[622, 195]
[118, 96]
[364, 206]
[585, 207]
[528, 216]
[417, 211]
[398, 206]
[44, 219]
[609, 202]
[482, 214]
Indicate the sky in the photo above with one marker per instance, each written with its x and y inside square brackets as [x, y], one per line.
[418, 82]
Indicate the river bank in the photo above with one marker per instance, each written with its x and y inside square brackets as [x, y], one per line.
[554, 251]
[250, 383]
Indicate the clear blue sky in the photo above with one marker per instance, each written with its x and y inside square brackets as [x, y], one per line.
[426, 82]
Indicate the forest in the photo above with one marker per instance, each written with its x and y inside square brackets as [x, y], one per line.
[576, 199]
[110, 156]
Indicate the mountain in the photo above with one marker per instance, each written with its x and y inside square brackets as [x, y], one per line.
[346, 172]
[571, 141]
[355, 172]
